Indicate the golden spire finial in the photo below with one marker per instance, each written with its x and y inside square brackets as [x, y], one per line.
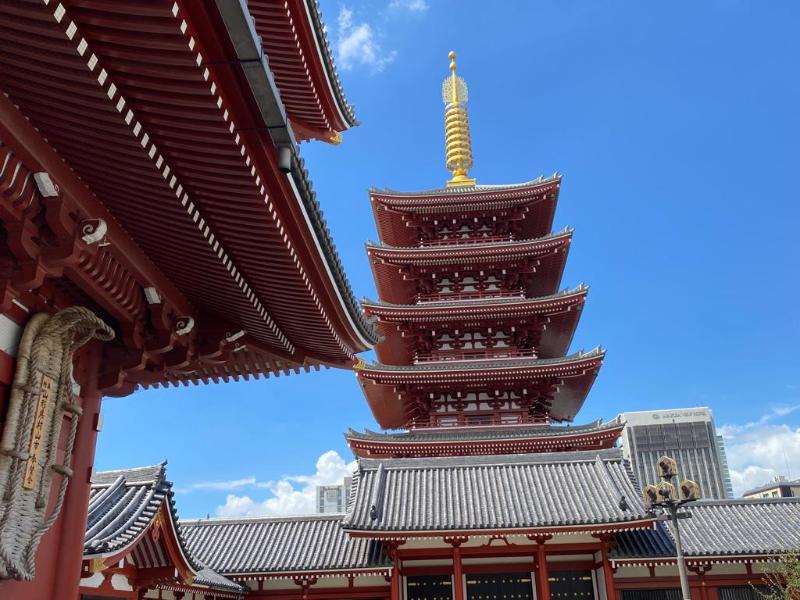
[458, 146]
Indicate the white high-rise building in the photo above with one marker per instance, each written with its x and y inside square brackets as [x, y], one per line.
[333, 498]
[689, 436]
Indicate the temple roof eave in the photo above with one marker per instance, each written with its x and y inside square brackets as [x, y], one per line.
[474, 433]
[190, 206]
[488, 192]
[493, 249]
[365, 332]
[558, 366]
[346, 110]
[459, 309]
[300, 56]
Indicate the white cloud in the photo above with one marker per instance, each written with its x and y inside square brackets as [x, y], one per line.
[777, 412]
[356, 44]
[221, 486]
[759, 450]
[292, 494]
[417, 6]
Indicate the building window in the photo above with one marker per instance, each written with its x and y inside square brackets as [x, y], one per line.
[429, 587]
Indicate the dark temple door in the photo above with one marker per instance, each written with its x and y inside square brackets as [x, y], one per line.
[500, 586]
[571, 585]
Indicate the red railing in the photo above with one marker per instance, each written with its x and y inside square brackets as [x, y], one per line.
[487, 294]
[473, 354]
[479, 239]
[463, 420]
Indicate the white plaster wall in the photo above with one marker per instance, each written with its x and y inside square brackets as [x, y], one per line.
[370, 581]
[94, 581]
[631, 571]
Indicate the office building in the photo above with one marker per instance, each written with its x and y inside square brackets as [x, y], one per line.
[726, 472]
[687, 435]
[333, 498]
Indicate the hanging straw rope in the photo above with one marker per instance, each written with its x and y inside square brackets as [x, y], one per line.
[41, 396]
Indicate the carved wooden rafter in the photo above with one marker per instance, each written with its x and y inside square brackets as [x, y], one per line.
[56, 238]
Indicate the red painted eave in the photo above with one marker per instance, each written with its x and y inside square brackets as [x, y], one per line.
[301, 61]
[398, 215]
[183, 115]
[555, 443]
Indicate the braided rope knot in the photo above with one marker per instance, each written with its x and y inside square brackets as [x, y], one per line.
[41, 397]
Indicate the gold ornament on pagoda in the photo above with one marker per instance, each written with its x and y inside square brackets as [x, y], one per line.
[458, 144]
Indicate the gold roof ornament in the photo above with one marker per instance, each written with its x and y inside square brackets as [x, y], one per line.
[458, 145]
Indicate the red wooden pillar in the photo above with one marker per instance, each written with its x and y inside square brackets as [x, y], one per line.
[390, 547]
[543, 583]
[395, 583]
[608, 571]
[702, 589]
[58, 559]
[458, 571]
[458, 574]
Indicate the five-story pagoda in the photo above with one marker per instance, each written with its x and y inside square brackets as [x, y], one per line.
[475, 332]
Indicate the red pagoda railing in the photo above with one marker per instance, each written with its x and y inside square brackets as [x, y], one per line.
[475, 354]
[447, 297]
[472, 420]
[479, 239]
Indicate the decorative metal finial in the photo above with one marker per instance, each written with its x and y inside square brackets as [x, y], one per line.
[458, 145]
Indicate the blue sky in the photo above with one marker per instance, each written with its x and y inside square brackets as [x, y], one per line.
[676, 128]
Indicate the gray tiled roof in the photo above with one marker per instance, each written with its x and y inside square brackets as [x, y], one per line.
[477, 433]
[121, 505]
[209, 578]
[721, 528]
[274, 545]
[526, 491]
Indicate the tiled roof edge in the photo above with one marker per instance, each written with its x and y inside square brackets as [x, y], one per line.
[582, 456]
[330, 66]
[454, 191]
[331, 255]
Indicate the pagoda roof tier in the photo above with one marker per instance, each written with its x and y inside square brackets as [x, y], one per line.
[539, 261]
[398, 214]
[419, 497]
[301, 60]
[148, 119]
[559, 314]
[571, 378]
[480, 440]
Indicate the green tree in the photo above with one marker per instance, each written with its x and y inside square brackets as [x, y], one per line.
[782, 578]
